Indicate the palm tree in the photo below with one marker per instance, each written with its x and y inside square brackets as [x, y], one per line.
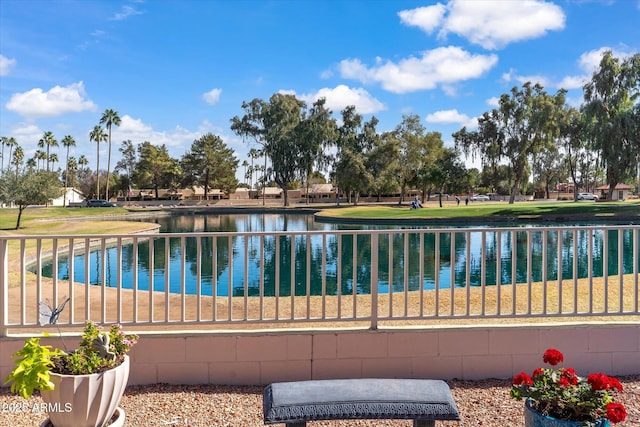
[31, 163]
[53, 158]
[67, 142]
[97, 135]
[9, 142]
[83, 161]
[72, 167]
[18, 158]
[40, 155]
[48, 141]
[109, 117]
[2, 140]
[245, 164]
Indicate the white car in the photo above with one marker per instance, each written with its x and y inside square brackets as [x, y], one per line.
[480, 198]
[587, 196]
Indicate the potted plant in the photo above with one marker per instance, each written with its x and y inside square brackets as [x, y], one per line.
[81, 387]
[559, 397]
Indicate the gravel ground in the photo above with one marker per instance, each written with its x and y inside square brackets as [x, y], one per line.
[481, 403]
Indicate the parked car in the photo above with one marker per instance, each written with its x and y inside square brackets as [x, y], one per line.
[479, 198]
[99, 203]
[587, 196]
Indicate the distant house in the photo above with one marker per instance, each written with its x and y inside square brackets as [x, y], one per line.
[272, 192]
[212, 194]
[620, 192]
[241, 194]
[320, 191]
[71, 197]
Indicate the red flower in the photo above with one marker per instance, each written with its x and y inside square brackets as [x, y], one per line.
[616, 412]
[563, 393]
[615, 383]
[570, 375]
[522, 379]
[598, 381]
[552, 357]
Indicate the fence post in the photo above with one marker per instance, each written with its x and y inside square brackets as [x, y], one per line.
[4, 286]
[374, 280]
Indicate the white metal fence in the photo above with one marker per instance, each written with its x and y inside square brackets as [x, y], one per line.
[185, 279]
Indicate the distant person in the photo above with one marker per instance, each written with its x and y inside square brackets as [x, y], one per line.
[466, 201]
[457, 201]
[416, 203]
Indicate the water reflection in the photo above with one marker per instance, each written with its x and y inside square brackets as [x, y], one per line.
[345, 264]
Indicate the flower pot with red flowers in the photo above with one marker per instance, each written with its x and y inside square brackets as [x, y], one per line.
[558, 397]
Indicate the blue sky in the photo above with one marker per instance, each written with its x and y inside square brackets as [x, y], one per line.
[175, 70]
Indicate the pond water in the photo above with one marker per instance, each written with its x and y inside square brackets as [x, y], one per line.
[223, 262]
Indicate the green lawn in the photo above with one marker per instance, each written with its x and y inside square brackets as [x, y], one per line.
[32, 221]
[31, 216]
[496, 211]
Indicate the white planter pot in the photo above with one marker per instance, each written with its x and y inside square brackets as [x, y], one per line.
[86, 400]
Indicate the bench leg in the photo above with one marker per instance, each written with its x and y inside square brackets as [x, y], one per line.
[424, 423]
[297, 424]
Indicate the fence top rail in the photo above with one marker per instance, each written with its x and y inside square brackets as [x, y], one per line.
[453, 229]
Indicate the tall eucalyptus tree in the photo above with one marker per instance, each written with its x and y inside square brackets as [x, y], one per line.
[109, 118]
[354, 144]
[612, 100]
[317, 133]
[127, 162]
[416, 148]
[251, 125]
[524, 124]
[97, 135]
[278, 126]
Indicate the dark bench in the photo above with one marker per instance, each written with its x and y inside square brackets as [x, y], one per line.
[295, 403]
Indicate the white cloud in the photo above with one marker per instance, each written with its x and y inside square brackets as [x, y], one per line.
[494, 101]
[447, 116]
[212, 97]
[27, 134]
[434, 67]
[6, 64]
[573, 82]
[57, 101]
[138, 131]
[589, 62]
[126, 12]
[342, 96]
[488, 23]
[426, 18]
[326, 74]
[512, 75]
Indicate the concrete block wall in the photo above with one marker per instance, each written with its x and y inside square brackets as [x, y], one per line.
[262, 357]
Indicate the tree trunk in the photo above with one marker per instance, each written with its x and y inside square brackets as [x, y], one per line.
[514, 191]
[20, 209]
[402, 190]
[612, 188]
